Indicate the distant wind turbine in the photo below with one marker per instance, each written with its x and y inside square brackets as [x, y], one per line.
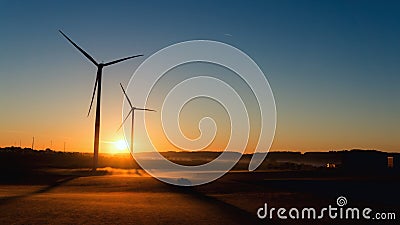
[133, 115]
[97, 85]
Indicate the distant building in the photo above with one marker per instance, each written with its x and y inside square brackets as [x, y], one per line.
[390, 162]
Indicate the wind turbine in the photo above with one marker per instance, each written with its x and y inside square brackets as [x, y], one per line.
[133, 115]
[97, 85]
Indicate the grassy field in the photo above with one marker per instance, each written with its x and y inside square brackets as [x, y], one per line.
[48, 187]
[133, 197]
[111, 199]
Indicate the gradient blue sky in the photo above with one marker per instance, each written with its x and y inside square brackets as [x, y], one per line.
[333, 65]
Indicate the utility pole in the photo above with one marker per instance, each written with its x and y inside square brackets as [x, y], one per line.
[33, 142]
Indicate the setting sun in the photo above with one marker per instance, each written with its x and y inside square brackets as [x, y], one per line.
[120, 145]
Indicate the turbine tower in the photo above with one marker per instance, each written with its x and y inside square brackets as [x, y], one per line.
[133, 116]
[97, 85]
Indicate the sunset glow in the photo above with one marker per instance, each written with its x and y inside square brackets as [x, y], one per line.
[332, 91]
[121, 145]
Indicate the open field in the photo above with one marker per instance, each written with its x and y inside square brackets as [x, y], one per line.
[115, 199]
[47, 187]
[139, 199]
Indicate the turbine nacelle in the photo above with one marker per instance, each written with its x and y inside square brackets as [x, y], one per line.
[133, 108]
[99, 65]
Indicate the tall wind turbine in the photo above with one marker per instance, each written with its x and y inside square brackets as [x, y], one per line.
[133, 115]
[97, 85]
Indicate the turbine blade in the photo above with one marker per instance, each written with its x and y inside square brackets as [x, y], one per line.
[125, 118]
[152, 110]
[80, 49]
[120, 60]
[123, 90]
[94, 91]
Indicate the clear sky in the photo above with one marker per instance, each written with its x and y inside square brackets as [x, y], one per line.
[334, 66]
